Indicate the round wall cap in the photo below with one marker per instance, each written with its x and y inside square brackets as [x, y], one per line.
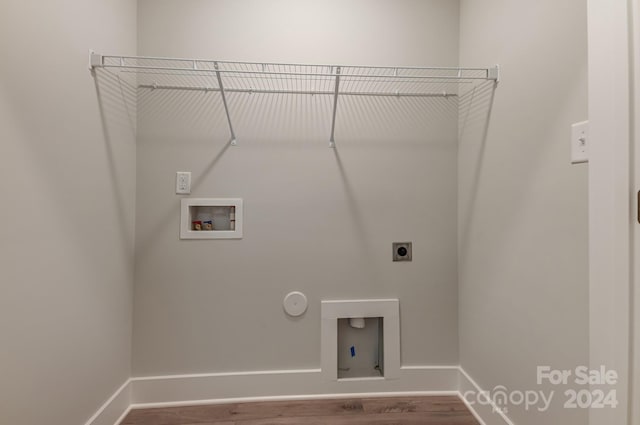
[295, 303]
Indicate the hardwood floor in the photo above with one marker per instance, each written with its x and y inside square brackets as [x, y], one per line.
[445, 410]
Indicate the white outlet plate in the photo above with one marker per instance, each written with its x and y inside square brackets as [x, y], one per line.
[183, 182]
[580, 142]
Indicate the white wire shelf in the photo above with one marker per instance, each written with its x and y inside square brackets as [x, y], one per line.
[296, 79]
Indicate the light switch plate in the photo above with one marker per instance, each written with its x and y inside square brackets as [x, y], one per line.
[580, 142]
[183, 182]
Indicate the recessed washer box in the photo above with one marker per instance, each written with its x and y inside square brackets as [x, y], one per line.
[211, 218]
[385, 315]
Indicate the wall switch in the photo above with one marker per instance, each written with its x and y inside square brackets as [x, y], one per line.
[580, 142]
[183, 182]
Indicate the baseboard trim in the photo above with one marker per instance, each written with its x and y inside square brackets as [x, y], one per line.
[486, 414]
[472, 410]
[180, 390]
[287, 385]
[124, 415]
[115, 408]
[293, 398]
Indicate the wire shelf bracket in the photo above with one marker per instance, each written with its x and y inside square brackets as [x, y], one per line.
[224, 102]
[336, 92]
[226, 77]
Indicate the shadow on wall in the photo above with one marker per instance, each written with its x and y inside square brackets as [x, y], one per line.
[196, 117]
[378, 121]
[170, 214]
[474, 117]
[294, 128]
[117, 106]
[355, 213]
[187, 117]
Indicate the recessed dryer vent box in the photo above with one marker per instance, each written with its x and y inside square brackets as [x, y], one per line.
[211, 218]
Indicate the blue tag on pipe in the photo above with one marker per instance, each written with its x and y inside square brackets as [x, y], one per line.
[353, 351]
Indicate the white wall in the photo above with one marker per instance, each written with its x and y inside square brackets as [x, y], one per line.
[612, 202]
[634, 402]
[523, 207]
[66, 221]
[317, 220]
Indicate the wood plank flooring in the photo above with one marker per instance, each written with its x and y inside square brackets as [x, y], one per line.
[445, 410]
